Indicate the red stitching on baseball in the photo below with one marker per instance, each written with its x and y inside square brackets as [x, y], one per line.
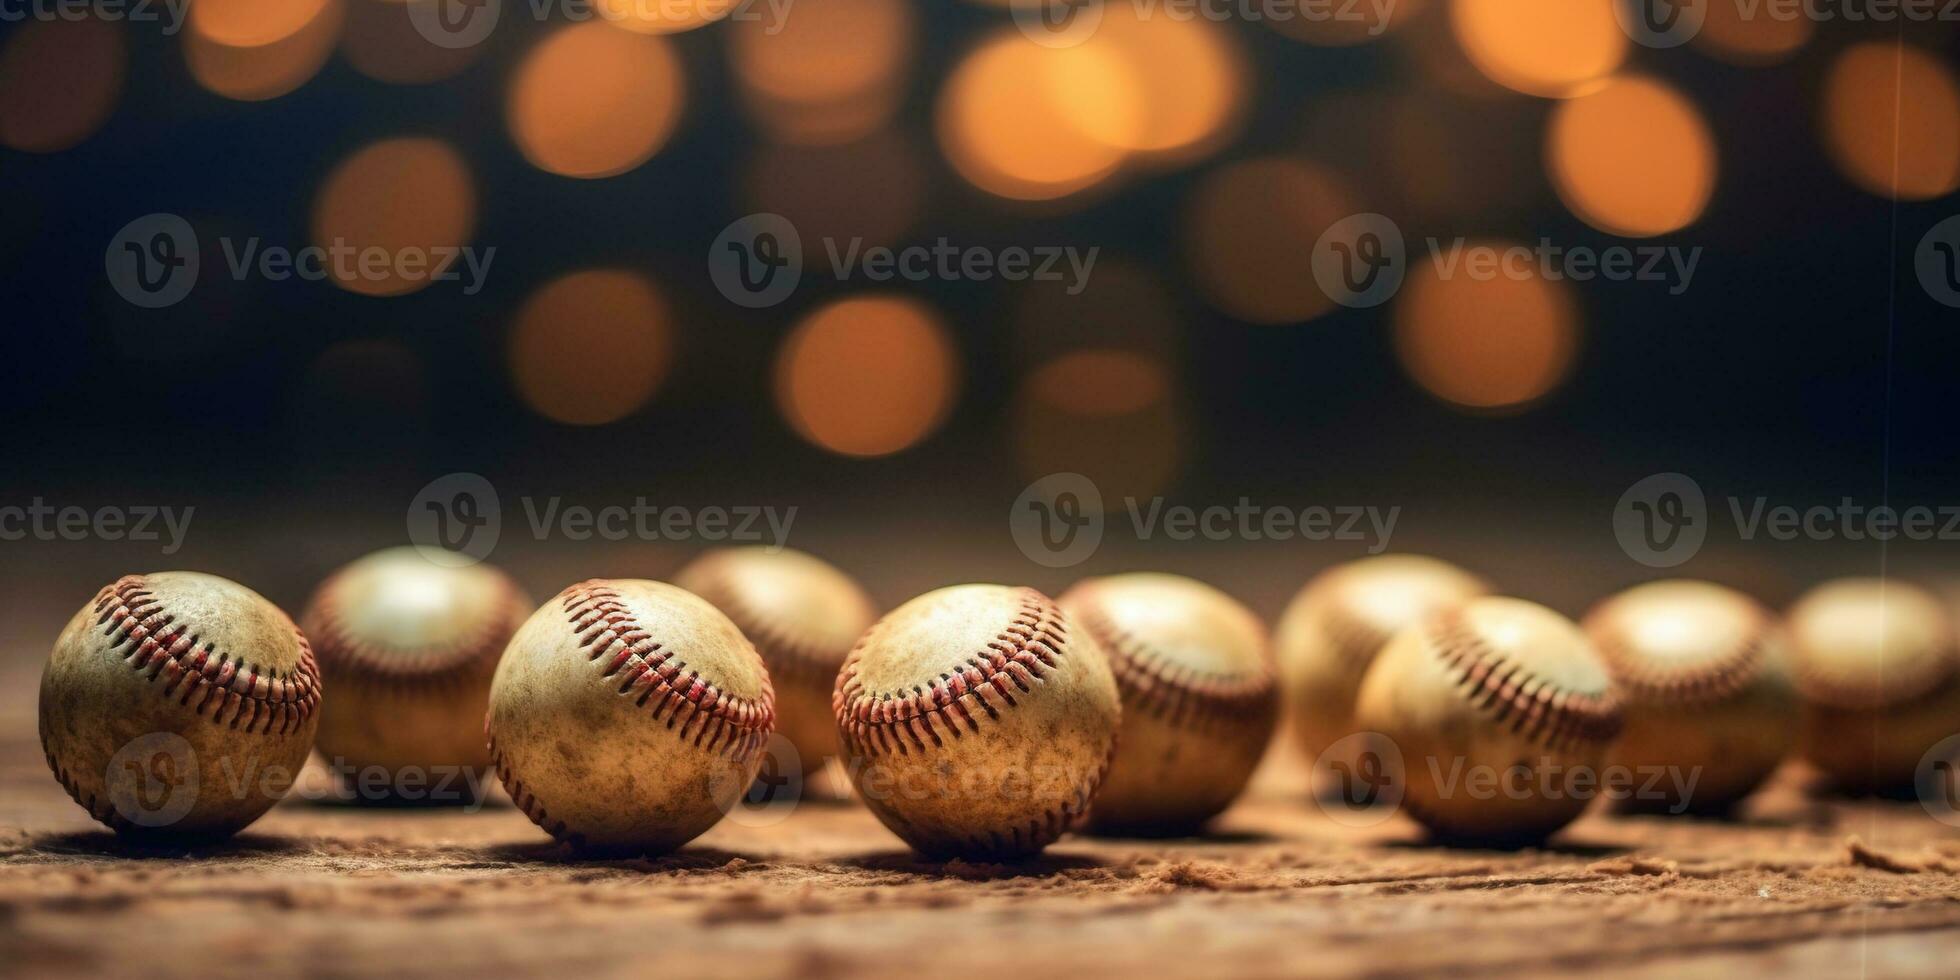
[437, 663]
[235, 692]
[712, 719]
[1178, 693]
[526, 800]
[1509, 694]
[1028, 647]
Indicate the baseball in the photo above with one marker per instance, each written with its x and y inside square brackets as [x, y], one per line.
[977, 722]
[803, 615]
[628, 716]
[1502, 715]
[178, 703]
[1875, 662]
[409, 646]
[1704, 677]
[1331, 631]
[1199, 699]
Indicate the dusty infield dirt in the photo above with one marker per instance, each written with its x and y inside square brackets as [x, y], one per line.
[1792, 886]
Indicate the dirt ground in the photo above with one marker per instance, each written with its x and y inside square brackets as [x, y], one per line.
[1794, 886]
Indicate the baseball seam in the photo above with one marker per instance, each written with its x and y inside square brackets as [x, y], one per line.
[234, 691]
[100, 810]
[1527, 704]
[527, 801]
[1016, 660]
[1033, 643]
[697, 710]
[1718, 679]
[1175, 693]
[353, 657]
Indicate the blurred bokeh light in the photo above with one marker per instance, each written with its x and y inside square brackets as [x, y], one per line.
[381, 42]
[591, 347]
[594, 101]
[1123, 304]
[830, 72]
[1633, 158]
[1497, 343]
[663, 16]
[1189, 78]
[1891, 121]
[59, 81]
[1250, 230]
[867, 376]
[395, 196]
[1030, 122]
[254, 50]
[1552, 48]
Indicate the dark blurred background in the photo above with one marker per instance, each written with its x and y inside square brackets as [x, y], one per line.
[1204, 159]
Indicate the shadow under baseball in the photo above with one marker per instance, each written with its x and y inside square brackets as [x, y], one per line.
[908, 862]
[102, 843]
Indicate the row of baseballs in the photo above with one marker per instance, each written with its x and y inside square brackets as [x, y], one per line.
[977, 720]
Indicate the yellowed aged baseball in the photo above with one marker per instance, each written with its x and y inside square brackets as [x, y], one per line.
[977, 722]
[1332, 630]
[803, 615]
[1704, 674]
[1875, 662]
[1199, 700]
[628, 716]
[178, 703]
[1502, 716]
[409, 646]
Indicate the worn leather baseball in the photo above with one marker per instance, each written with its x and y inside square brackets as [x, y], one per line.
[628, 716]
[1875, 661]
[409, 646]
[977, 721]
[178, 704]
[1200, 703]
[1330, 633]
[1502, 716]
[803, 615]
[1703, 671]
